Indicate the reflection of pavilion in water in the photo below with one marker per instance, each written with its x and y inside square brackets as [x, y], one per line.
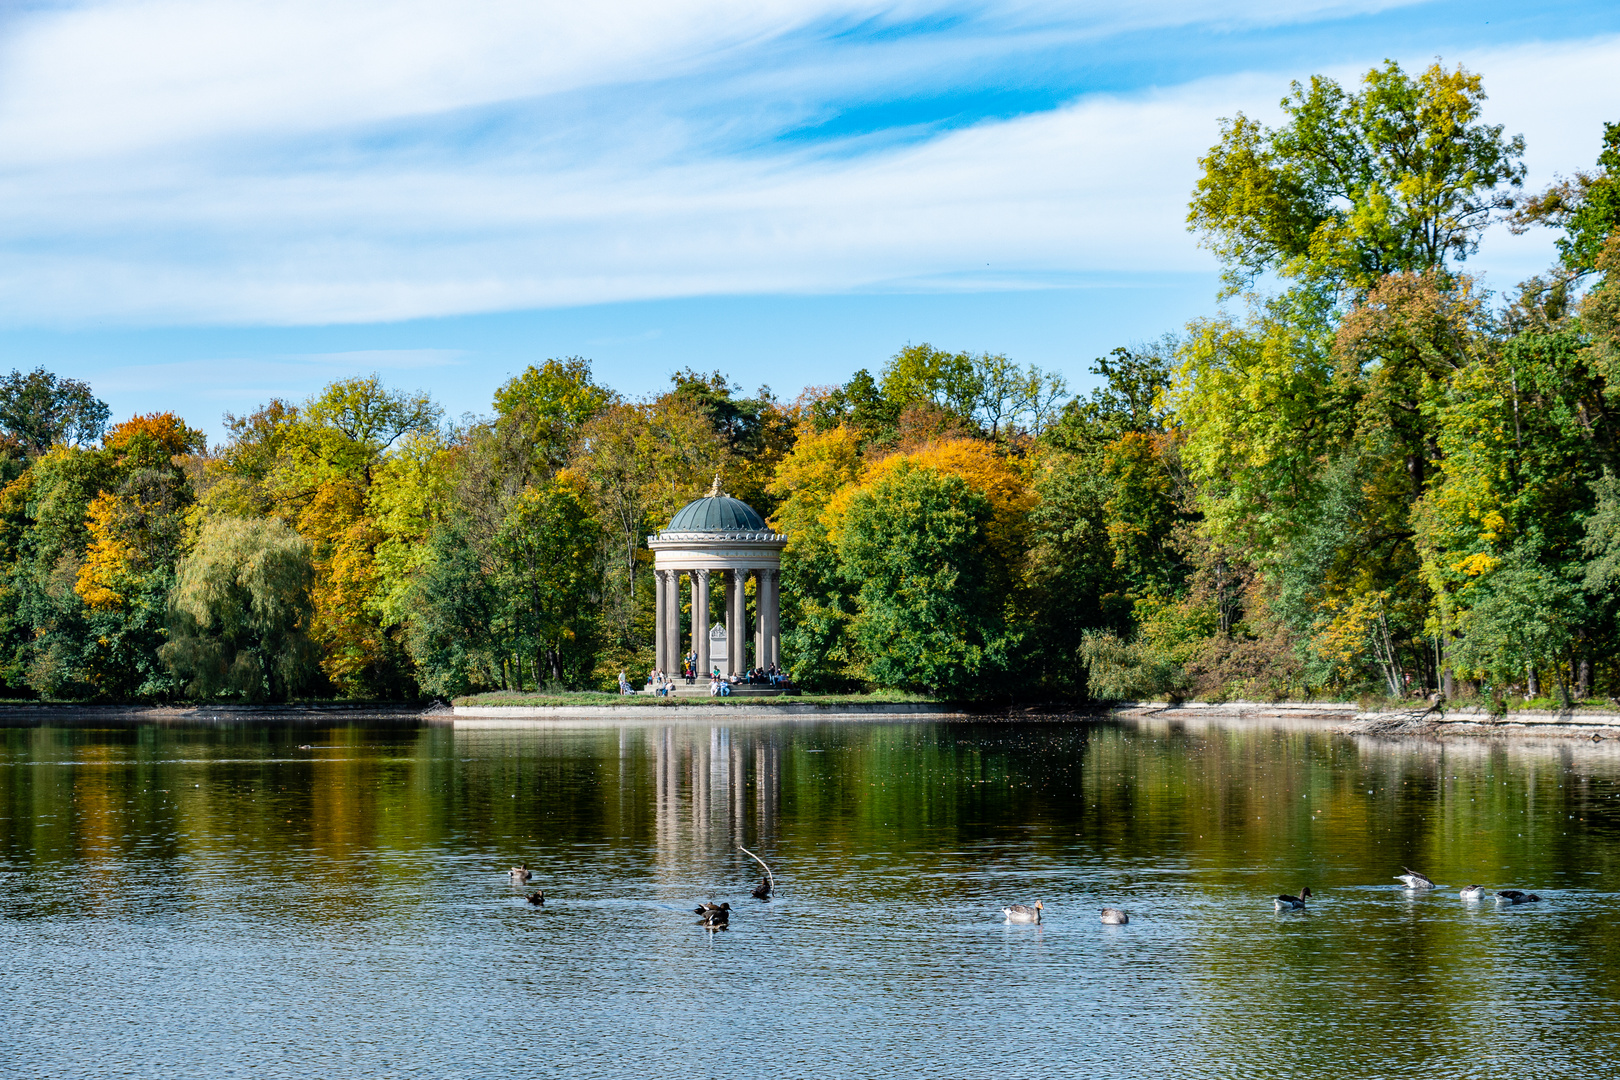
[717, 788]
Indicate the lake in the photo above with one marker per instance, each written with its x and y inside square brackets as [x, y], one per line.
[218, 901]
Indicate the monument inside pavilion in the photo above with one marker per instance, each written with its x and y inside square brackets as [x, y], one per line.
[713, 537]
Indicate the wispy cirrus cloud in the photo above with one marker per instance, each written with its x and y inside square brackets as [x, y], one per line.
[1084, 186]
[93, 79]
[171, 161]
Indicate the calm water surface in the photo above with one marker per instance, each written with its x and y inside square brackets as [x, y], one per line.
[219, 902]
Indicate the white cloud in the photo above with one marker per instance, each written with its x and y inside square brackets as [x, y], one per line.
[111, 77]
[1082, 187]
[1558, 96]
[159, 161]
[96, 78]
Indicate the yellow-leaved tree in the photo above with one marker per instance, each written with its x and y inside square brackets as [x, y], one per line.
[353, 471]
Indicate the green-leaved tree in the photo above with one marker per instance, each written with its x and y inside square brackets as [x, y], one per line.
[240, 613]
[1400, 175]
[928, 614]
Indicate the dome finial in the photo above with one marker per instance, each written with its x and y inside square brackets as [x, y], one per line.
[716, 512]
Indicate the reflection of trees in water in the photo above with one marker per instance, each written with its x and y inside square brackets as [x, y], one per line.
[1229, 792]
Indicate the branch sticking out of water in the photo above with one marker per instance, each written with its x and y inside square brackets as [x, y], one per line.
[761, 862]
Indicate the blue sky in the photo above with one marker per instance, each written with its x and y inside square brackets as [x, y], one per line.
[211, 202]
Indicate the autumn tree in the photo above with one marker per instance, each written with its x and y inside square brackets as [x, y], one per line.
[914, 545]
[318, 468]
[40, 410]
[542, 410]
[816, 602]
[240, 613]
[986, 392]
[92, 536]
[1585, 208]
[1395, 177]
[859, 405]
[1129, 399]
[756, 431]
[640, 463]
[549, 579]
[46, 622]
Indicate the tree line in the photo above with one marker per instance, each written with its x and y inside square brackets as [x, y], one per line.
[1363, 474]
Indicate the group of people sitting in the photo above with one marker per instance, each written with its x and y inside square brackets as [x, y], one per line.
[658, 684]
[770, 676]
[720, 685]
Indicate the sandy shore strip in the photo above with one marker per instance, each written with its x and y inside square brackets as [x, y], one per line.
[1351, 719]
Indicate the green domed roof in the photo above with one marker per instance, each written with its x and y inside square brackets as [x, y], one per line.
[716, 513]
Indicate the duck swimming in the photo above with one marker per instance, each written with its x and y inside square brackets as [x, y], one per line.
[714, 915]
[1115, 917]
[1514, 896]
[1472, 892]
[536, 898]
[520, 873]
[1414, 880]
[1293, 903]
[1024, 913]
[762, 891]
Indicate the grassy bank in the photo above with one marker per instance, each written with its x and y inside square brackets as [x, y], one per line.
[650, 701]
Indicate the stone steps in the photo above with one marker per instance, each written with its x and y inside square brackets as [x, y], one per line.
[701, 689]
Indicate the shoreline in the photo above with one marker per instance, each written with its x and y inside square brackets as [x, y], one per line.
[1345, 718]
[488, 716]
[36, 715]
[1350, 719]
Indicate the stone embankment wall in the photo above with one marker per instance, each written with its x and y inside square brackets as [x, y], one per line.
[1421, 720]
[525, 715]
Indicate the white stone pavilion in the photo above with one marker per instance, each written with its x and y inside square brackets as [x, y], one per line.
[718, 536]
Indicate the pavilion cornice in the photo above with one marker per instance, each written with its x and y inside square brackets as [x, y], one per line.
[709, 537]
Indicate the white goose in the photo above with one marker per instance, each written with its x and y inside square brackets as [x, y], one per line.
[1414, 880]
[1024, 913]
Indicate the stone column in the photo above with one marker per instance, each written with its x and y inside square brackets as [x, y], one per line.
[773, 608]
[739, 651]
[672, 629]
[761, 647]
[731, 625]
[700, 621]
[660, 617]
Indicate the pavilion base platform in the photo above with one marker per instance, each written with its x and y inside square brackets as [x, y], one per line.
[701, 689]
